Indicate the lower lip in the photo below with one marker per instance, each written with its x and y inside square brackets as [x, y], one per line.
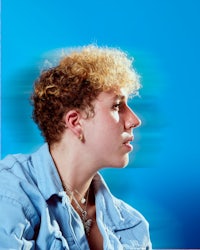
[128, 146]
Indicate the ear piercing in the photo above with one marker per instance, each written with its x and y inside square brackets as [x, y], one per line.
[80, 137]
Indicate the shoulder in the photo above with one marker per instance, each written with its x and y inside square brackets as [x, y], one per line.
[18, 214]
[16, 165]
[131, 215]
[119, 214]
[115, 205]
[128, 210]
[15, 170]
[126, 222]
[133, 226]
[17, 184]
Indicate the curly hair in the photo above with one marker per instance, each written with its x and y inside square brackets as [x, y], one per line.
[75, 82]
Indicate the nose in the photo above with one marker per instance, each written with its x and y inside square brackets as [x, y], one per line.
[132, 120]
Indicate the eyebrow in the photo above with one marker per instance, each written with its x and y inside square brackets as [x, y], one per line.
[120, 97]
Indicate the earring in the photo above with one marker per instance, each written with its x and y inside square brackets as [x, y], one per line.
[80, 137]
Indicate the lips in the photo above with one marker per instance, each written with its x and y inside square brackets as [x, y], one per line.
[128, 139]
[127, 142]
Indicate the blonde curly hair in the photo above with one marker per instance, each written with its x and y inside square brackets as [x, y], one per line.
[75, 82]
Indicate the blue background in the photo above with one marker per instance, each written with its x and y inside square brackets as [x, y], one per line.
[162, 180]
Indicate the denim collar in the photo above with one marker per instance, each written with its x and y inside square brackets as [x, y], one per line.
[117, 214]
[48, 179]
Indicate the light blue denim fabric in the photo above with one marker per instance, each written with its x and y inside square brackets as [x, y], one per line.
[35, 212]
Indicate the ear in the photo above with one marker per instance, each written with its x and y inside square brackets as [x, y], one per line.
[72, 121]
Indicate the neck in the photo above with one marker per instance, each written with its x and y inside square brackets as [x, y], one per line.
[74, 171]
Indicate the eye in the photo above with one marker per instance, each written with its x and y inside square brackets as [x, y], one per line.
[117, 106]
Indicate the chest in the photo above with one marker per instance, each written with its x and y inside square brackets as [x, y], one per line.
[95, 239]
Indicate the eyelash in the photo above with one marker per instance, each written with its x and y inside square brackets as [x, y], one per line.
[117, 106]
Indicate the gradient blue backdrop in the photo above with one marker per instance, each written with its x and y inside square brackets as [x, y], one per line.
[162, 180]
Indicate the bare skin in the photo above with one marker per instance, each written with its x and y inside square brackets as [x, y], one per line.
[95, 239]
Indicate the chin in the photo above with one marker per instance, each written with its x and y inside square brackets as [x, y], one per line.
[123, 163]
[119, 162]
[126, 161]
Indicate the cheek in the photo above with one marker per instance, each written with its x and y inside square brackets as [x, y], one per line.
[112, 119]
[112, 127]
[115, 116]
[102, 126]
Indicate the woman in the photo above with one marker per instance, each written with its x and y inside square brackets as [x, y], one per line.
[56, 199]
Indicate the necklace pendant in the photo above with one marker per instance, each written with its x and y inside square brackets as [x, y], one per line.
[84, 215]
[87, 225]
[83, 200]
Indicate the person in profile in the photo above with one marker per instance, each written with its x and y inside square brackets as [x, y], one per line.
[55, 198]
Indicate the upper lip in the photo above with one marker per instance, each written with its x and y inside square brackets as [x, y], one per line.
[128, 139]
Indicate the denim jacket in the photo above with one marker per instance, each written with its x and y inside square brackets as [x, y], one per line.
[35, 212]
